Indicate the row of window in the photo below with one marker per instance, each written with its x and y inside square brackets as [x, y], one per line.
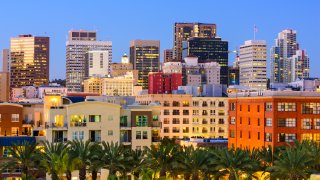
[14, 117]
[282, 137]
[79, 135]
[307, 108]
[285, 122]
[194, 130]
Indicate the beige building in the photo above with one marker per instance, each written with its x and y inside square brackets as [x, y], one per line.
[121, 69]
[4, 87]
[184, 116]
[117, 86]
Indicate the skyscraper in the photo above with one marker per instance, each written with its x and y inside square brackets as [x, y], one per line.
[4, 76]
[252, 64]
[79, 43]
[284, 48]
[183, 31]
[29, 63]
[209, 50]
[145, 57]
[167, 55]
[300, 65]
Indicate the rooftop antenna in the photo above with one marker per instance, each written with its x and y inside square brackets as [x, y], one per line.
[255, 29]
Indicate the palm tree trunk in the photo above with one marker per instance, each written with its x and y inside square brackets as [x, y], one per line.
[195, 176]
[162, 172]
[82, 173]
[54, 176]
[94, 175]
[68, 175]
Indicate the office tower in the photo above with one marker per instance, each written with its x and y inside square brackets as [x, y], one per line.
[79, 43]
[4, 87]
[5, 60]
[284, 48]
[233, 72]
[98, 63]
[29, 65]
[164, 83]
[125, 59]
[300, 67]
[184, 31]
[252, 64]
[145, 57]
[167, 55]
[208, 50]
[275, 118]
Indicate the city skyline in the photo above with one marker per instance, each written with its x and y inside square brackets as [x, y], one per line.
[234, 20]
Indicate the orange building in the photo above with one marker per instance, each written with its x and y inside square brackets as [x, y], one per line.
[273, 118]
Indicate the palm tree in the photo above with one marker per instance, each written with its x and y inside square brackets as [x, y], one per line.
[25, 156]
[292, 163]
[135, 162]
[235, 163]
[95, 162]
[193, 162]
[54, 159]
[113, 157]
[80, 153]
[162, 159]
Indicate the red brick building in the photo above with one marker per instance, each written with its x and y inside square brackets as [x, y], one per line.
[160, 83]
[273, 118]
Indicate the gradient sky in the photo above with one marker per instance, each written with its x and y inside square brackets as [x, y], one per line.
[123, 20]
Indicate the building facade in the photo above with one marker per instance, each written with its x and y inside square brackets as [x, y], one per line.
[167, 55]
[29, 64]
[5, 60]
[99, 63]
[273, 118]
[78, 45]
[4, 87]
[184, 31]
[145, 57]
[172, 67]
[161, 83]
[253, 65]
[121, 69]
[300, 65]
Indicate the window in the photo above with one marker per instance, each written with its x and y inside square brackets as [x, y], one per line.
[185, 121]
[81, 135]
[258, 135]
[110, 118]
[240, 120]
[268, 122]
[75, 135]
[166, 103]
[78, 120]
[221, 104]
[306, 123]
[288, 122]
[145, 135]
[142, 121]
[138, 135]
[240, 107]
[316, 137]
[282, 137]
[289, 107]
[316, 123]
[249, 121]
[258, 108]
[14, 131]
[166, 112]
[166, 121]
[248, 108]
[268, 137]
[94, 118]
[240, 134]
[110, 132]
[123, 121]
[233, 120]
[166, 129]
[175, 130]
[175, 112]
[269, 106]
[311, 108]
[232, 106]
[175, 121]
[212, 112]
[232, 134]
[249, 135]
[195, 103]
[14, 117]
[195, 112]
[306, 136]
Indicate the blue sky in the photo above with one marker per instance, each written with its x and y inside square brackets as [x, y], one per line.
[123, 20]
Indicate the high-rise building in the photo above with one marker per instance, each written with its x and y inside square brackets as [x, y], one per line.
[5, 60]
[29, 64]
[184, 31]
[98, 63]
[4, 87]
[161, 83]
[273, 118]
[145, 57]
[233, 72]
[284, 48]
[252, 64]
[209, 50]
[300, 67]
[167, 55]
[79, 43]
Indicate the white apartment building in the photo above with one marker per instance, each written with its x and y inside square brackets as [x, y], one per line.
[99, 62]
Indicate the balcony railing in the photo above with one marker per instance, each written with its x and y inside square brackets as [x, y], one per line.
[156, 124]
[27, 121]
[96, 139]
[156, 139]
[78, 124]
[60, 140]
[57, 107]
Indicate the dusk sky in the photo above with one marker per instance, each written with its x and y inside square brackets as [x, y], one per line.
[123, 20]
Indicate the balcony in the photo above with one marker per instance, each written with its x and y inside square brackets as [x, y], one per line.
[175, 130]
[57, 107]
[175, 112]
[166, 104]
[204, 131]
[156, 124]
[156, 139]
[59, 125]
[60, 139]
[204, 122]
[185, 113]
[78, 124]
[166, 113]
[220, 131]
